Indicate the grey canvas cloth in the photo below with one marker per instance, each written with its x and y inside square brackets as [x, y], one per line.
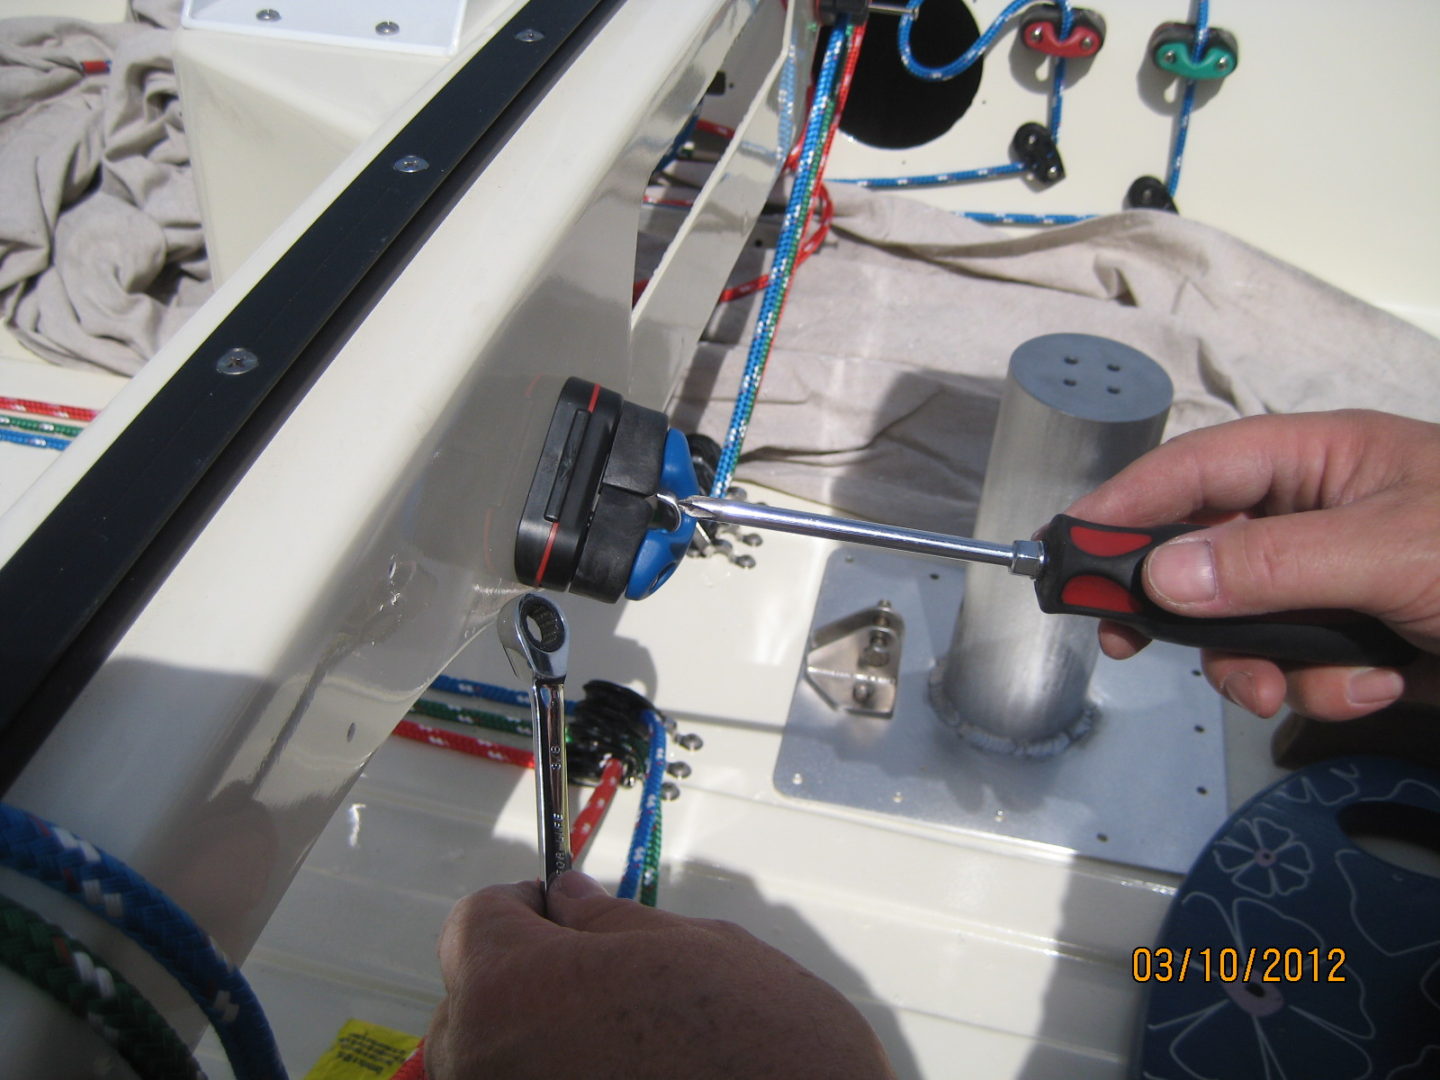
[881, 392]
[101, 251]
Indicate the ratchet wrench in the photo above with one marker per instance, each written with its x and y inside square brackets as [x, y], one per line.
[536, 639]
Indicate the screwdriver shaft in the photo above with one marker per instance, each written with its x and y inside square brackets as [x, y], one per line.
[1023, 557]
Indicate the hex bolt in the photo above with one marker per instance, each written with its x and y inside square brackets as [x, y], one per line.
[411, 163]
[529, 36]
[386, 28]
[678, 769]
[690, 741]
[237, 362]
[268, 14]
[862, 692]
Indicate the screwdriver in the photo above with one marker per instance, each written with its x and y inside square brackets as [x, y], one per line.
[1082, 568]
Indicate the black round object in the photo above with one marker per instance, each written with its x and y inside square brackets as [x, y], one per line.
[892, 109]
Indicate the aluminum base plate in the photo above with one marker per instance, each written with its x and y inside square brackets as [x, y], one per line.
[1145, 787]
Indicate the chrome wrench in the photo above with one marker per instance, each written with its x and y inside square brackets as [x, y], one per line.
[536, 639]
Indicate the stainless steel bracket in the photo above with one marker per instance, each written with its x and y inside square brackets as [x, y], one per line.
[854, 662]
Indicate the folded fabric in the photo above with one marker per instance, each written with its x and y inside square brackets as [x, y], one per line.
[881, 392]
[101, 251]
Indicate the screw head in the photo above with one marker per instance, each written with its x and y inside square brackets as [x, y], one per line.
[529, 36]
[690, 741]
[678, 769]
[1170, 56]
[237, 362]
[1221, 63]
[411, 163]
[669, 792]
[1087, 42]
[1036, 34]
[268, 15]
[386, 28]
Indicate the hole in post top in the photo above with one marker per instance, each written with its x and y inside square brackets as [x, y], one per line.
[1072, 359]
[1113, 389]
[1069, 382]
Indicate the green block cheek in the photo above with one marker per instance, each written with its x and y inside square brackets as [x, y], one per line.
[1215, 64]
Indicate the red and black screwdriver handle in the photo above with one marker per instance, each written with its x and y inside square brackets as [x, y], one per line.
[1095, 570]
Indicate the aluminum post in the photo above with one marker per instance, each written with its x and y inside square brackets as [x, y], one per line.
[1075, 410]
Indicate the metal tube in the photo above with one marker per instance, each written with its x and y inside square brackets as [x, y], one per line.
[1076, 409]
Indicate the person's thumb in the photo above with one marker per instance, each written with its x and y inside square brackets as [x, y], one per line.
[579, 902]
[1315, 559]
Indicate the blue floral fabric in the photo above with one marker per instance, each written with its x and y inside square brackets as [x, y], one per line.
[1281, 891]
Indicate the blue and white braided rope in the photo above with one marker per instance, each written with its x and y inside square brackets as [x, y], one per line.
[73, 866]
[649, 815]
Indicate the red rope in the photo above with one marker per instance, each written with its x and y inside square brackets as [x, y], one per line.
[465, 744]
[414, 1067]
[45, 408]
[585, 823]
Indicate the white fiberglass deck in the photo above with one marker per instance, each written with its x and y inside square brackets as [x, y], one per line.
[971, 955]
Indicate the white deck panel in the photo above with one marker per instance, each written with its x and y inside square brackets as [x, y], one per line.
[1012, 958]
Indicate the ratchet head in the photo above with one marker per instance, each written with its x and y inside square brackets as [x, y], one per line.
[535, 637]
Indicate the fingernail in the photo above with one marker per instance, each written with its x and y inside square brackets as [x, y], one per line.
[1374, 686]
[1183, 571]
[1239, 687]
[577, 886]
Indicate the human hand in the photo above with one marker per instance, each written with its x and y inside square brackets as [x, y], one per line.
[1316, 510]
[609, 988]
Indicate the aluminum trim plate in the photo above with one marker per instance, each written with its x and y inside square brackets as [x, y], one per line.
[1146, 787]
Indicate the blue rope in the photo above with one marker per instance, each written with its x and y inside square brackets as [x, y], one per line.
[783, 263]
[1026, 219]
[109, 888]
[649, 817]
[936, 179]
[1187, 103]
[488, 691]
[977, 48]
[40, 442]
[1057, 88]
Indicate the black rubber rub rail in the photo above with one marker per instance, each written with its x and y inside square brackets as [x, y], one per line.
[78, 582]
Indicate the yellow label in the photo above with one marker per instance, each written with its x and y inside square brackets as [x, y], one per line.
[364, 1052]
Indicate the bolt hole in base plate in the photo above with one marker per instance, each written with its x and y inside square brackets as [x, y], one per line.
[423, 26]
[1135, 780]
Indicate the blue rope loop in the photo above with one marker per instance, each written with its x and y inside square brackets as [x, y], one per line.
[989, 172]
[783, 264]
[649, 818]
[73, 866]
[978, 47]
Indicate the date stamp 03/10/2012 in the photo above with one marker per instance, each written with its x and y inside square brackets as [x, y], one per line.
[1236, 965]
